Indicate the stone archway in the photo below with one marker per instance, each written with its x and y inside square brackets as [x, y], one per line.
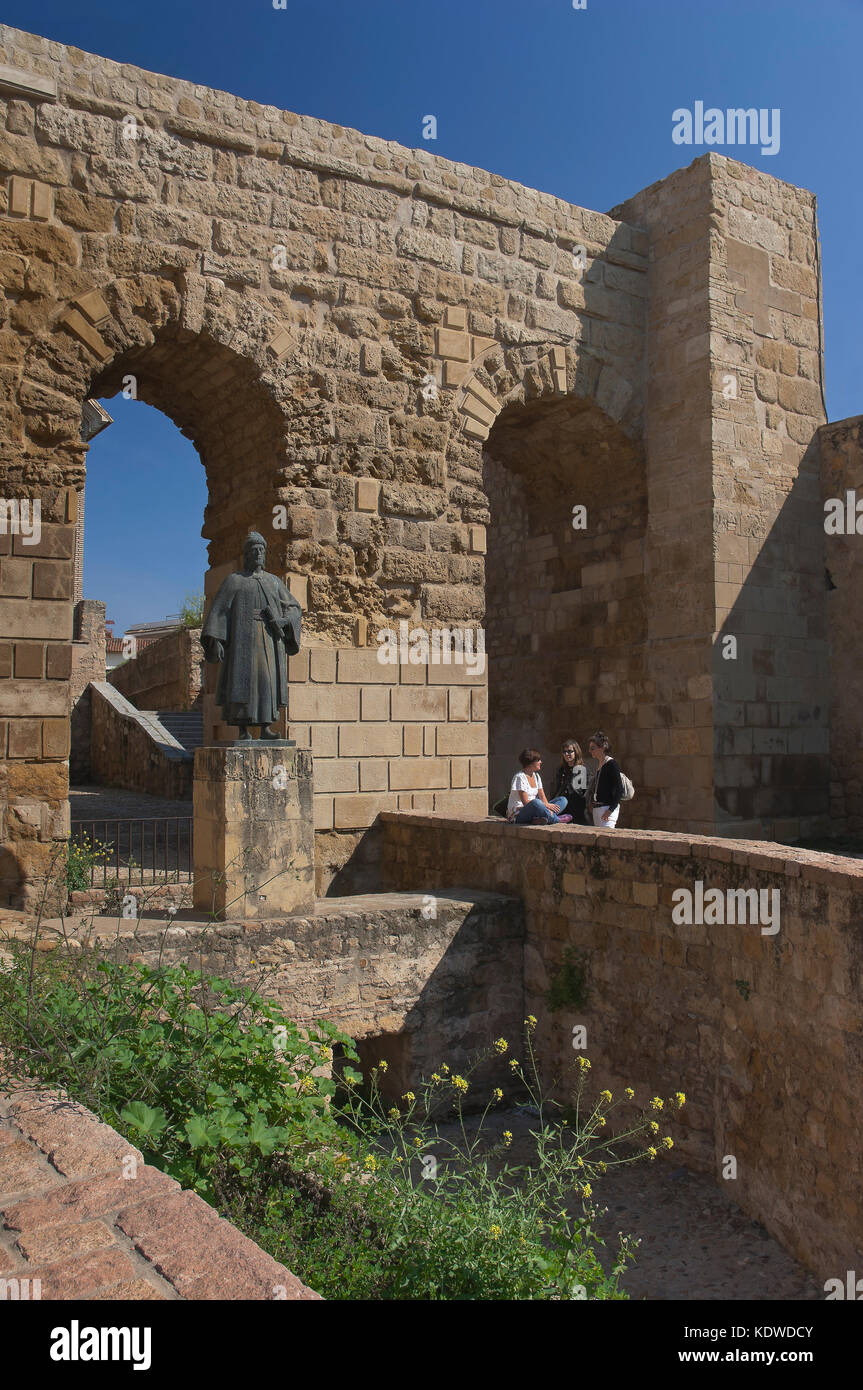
[565, 600]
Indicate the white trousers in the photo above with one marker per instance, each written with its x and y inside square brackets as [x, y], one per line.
[598, 813]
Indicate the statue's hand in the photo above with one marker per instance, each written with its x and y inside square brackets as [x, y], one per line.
[217, 650]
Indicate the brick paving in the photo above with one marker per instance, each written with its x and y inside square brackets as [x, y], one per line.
[81, 1212]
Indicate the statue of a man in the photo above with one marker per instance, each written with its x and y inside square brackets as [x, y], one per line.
[253, 623]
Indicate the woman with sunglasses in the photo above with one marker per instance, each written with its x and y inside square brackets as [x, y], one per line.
[570, 788]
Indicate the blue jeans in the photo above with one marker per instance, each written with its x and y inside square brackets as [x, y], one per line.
[535, 812]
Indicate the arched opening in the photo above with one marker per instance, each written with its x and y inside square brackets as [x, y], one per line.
[565, 589]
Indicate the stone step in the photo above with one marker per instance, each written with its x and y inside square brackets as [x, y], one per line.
[186, 726]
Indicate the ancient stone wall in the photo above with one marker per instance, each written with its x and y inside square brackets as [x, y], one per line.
[361, 340]
[841, 452]
[166, 674]
[761, 1031]
[87, 654]
[130, 749]
[735, 338]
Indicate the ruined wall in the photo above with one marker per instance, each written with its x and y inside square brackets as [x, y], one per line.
[761, 1032]
[346, 329]
[841, 454]
[166, 674]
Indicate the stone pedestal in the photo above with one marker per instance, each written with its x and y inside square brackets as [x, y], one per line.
[254, 831]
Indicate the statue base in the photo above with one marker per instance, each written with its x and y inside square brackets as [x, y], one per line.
[254, 836]
[261, 743]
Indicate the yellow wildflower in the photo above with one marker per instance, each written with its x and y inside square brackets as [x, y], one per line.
[530, 1021]
[497, 1094]
[602, 1167]
[654, 1127]
[459, 1083]
[371, 1164]
[656, 1103]
[579, 1162]
[393, 1114]
[436, 1078]
[680, 1098]
[606, 1096]
[629, 1093]
[668, 1142]
[584, 1064]
[409, 1096]
[601, 1121]
[507, 1137]
[343, 1158]
[418, 1143]
[444, 1068]
[652, 1152]
[382, 1066]
[587, 1190]
[501, 1045]
[326, 1053]
[495, 1232]
[513, 1064]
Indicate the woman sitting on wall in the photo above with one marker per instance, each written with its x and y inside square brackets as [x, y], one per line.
[607, 790]
[570, 788]
[527, 803]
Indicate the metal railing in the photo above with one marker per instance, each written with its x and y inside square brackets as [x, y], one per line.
[145, 850]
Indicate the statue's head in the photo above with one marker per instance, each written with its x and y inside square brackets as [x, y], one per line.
[254, 551]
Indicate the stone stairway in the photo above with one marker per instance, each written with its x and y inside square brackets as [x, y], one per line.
[186, 726]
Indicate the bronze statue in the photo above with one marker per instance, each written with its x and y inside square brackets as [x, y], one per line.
[253, 623]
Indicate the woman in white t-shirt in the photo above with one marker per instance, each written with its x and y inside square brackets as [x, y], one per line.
[527, 803]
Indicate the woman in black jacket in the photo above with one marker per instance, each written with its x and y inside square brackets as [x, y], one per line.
[608, 787]
[570, 788]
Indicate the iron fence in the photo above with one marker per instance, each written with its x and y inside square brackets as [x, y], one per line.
[144, 850]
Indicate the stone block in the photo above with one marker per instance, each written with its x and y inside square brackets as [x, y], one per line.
[418, 704]
[367, 494]
[370, 740]
[356, 812]
[421, 774]
[322, 664]
[29, 660]
[375, 702]
[462, 738]
[412, 746]
[323, 702]
[361, 666]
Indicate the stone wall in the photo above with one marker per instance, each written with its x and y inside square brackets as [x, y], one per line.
[401, 330]
[415, 979]
[166, 674]
[761, 1031]
[131, 749]
[88, 664]
[735, 338]
[841, 447]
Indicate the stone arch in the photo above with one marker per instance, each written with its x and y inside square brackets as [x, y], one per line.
[565, 608]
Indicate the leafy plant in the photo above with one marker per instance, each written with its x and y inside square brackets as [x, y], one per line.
[192, 610]
[569, 987]
[82, 856]
[198, 1072]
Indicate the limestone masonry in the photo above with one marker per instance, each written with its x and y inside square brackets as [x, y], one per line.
[413, 368]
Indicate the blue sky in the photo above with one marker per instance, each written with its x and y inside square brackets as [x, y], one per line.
[575, 102]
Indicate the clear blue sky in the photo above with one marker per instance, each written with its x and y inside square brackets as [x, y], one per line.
[575, 102]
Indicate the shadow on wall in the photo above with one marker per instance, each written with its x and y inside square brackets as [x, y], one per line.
[771, 676]
[566, 604]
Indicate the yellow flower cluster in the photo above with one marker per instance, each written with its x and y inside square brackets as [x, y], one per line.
[584, 1064]
[371, 1164]
[326, 1052]
[393, 1114]
[495, 1232]
[382, 1066]
[530, 1021]
[587, 1190]
[409, 1096]
[606, 1096]
[497, 1095]
[444, 1068]
[436, 1078]
[513, 1064]
[668, 1142]
[629, 1093]
[656, 1103]
[680, 1098]
[500, 1045]
[507, 1137]
[307, 1086]
[652, 1152]
[459, 1083]
[654, 1127]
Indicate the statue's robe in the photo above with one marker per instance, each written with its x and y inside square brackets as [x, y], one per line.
[253, 678]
